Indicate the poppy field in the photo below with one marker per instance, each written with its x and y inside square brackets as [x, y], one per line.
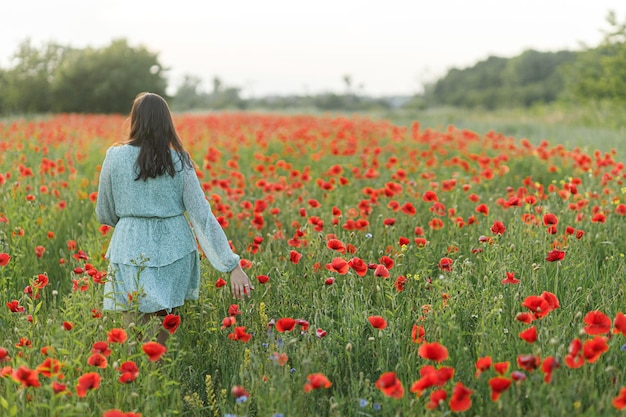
[399, 270]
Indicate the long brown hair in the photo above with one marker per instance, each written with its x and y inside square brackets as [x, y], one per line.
[152, 129]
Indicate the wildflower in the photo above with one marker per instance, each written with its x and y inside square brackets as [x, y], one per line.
[596, 323]
[358, 266]
[592, 349]
[482, 364]
[59, 388]
[619, 324]
[498, 385]
[417, 334]
[529, 335]
[171, 322]
[399, 283]
[86, 382]
[154, 350]
[228, 321]
[129, 372]
[4, 259]
[25, 376]
[15, 306]
[389, 384]
[550, 219]
[549, 364]
[538, 305]
[240, 334]
[319, 333]
[4, 355]
[68, 325]
[338, 265]
[101, 348]
[117, 335]
[437, 397]
[433, 351]
[619, 401]
[233, 310]
[98, 360]
[118, 413]
[445, 264]
[220, 282]
[460, 399]
[239, 393]
[329, 281]
[510, 278]
[555, 255]
[381, 271]
[262, 279]
[294, 256]
[316, 381]
[574, 358]
[336, 245]
[501, 367]
[377, 322]
[528, 362]
[498, 228]
[285, 324]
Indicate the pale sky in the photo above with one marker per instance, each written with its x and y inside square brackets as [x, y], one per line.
[282, 47]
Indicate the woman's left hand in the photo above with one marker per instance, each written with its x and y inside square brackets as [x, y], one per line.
[240, 283]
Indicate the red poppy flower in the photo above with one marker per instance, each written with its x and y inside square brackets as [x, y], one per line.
[239, 392]
[336, 245]
[433, 351]
[50, 368]
[594, 348]
[118, 413]
[420, 242]
[529, 335]
[59, 388]
[597, 323]
[550, 219]
[316, 381]
[537, 305]
[437, 397]
[25, 376]
[67, 325]
[117, 335]
[102, 348]
[389, 221]
[551, 299]
[358, 266]
[482, 364]
[319, 333]
[528, 362]
[86, 382]
[389, 384]
[4, 259]
[15, 307]
[574, 358]
[619, 401]
[285, 324]
[510, 278]
[154, 350]
[555, 255]
[233, 310]
[501, 367]
[445, 264]
[129, 372]
[482, 208]
[408, 209]
[547, 367]
[228, 321]
[619, 324]
[377, 322]
[417, 334]
[399, 283]
[430, 196]
[240, 334]
[220, 282]
[381, 271]
[262, 279]
[338, 265]
[171, 322]
[98, 360]
[498, 228]
[498, 385]
[294, 256]
[461, 398]
[4, 355]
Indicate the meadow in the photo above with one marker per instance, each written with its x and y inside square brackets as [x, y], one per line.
[400, 270]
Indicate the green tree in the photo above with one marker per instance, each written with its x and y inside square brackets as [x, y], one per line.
[597, 74]
[26, 85]
[106, 80]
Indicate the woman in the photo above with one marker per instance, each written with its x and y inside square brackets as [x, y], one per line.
[147, 183]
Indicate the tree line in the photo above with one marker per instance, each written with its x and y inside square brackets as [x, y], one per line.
[58, 78]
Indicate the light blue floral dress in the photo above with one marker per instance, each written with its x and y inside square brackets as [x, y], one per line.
[153, 253]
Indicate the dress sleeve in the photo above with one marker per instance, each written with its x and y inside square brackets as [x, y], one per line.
[105, 206]
[207, 229]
